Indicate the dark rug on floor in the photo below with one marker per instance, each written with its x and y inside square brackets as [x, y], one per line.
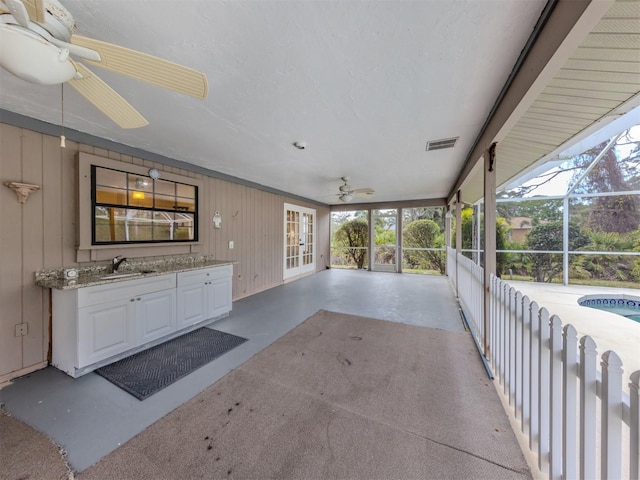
[149, 371]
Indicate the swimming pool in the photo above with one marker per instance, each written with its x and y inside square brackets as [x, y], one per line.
[626, 305]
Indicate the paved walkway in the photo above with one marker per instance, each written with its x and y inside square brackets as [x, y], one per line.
[610, 331]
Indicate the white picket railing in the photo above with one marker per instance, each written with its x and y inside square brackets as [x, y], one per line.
[470, 280]
[552, 383]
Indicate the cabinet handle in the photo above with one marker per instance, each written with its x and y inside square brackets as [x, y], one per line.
[138, 298]
[132, 300]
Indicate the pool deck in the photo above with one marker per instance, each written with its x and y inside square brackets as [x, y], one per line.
[608, 330]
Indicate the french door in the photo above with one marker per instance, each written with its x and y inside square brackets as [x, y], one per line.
[299, 240]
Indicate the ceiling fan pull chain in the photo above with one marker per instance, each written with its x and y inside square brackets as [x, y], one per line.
[63, 143]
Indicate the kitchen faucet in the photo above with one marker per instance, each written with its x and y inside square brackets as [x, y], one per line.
[117, 261]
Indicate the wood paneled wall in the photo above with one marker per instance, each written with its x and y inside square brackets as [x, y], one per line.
[42, 233]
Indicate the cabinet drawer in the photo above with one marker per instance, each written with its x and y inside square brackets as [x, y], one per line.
[124, 289]
[204, 275]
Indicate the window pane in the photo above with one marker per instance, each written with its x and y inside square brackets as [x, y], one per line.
[111, 178]
[138, 225]
[187, 191]
[165, 202]
[163, 223]
[184, 227]
[138, 198]
[112, 196]
[110, 226]
[154, 212]
[165, 187]
[185, 204]
[137, 182]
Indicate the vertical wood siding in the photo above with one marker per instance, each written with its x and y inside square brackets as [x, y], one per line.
[41, 234]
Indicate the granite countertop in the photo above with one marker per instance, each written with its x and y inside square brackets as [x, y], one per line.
[98, 274]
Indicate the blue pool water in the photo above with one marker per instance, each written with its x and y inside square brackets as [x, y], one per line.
[625, 305]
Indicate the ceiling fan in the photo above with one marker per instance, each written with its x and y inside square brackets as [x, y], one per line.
[37, 41]
[347, 192]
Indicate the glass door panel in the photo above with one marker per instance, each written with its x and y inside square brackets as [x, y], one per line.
[385, 240]
[299, 240]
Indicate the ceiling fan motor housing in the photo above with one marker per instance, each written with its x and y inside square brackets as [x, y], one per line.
[47, 64]
[58, 21]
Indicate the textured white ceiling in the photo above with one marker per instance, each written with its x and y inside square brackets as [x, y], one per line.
[365, 84]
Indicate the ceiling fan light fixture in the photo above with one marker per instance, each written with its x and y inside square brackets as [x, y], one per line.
[30, 58]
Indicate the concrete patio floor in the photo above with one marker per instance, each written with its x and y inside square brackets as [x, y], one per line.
[89, 417]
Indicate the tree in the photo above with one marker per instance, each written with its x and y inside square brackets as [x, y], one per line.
[501, 237]
[354, 234]
[614, 172]
[423, 213]
[424, 234]
[548, 236]
[606, 266]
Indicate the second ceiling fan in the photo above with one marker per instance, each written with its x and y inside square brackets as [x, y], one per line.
[347, 193]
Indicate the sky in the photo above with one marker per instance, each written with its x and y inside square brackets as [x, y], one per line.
[560, 183]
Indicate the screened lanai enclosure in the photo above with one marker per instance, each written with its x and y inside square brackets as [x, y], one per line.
[403, 239]
[573, 220]
[576, 222]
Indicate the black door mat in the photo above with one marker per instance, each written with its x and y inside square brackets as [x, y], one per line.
[149, 371]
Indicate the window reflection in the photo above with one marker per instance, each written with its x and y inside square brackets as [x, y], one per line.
[134, 208]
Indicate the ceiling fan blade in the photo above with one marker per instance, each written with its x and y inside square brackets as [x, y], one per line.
[35, 9]
[18, 10]
[147, 68]
[105, 99]
[364, 192]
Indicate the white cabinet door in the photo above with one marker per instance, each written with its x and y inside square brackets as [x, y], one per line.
[203, 294]
[219, 296]
[105, 330]
[192, 304]
[155, 315]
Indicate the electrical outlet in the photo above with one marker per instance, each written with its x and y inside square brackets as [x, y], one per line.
[21, 329]
[231, 245]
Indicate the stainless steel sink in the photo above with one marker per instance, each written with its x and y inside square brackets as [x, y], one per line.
[111, 276]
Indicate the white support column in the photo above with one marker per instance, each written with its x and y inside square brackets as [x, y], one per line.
[489, 234]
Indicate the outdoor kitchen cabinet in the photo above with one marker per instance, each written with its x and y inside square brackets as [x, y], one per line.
[203, 294]
[98, 324]
[93, 324]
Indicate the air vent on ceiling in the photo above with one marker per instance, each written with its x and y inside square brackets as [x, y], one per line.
[440, 144]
